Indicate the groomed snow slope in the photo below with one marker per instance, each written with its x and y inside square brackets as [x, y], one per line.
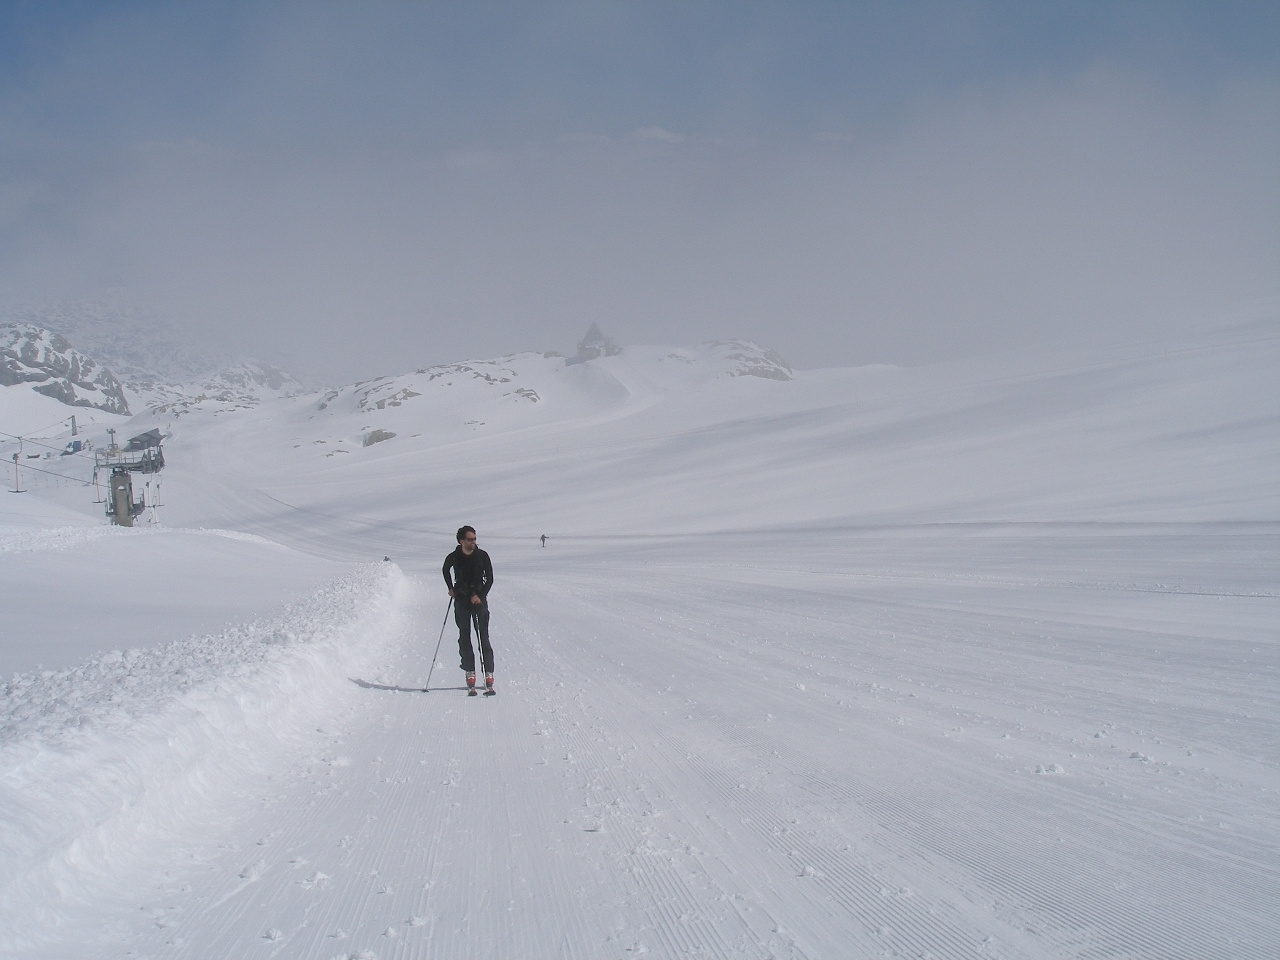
[967, 661]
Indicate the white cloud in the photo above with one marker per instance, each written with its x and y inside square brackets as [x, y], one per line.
[655, 134]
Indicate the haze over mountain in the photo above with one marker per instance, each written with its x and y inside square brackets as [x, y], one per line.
[136, 346]
[847, 183]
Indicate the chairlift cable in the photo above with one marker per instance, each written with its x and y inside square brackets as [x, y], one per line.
[37, 443]
[56, 422]
[51, 473]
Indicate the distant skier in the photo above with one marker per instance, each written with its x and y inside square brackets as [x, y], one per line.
[544, 539]
[469, 585]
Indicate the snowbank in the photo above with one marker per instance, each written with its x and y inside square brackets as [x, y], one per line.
[73, 593]
[123, 759]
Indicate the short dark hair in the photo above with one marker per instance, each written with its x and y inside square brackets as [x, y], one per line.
[463, 531]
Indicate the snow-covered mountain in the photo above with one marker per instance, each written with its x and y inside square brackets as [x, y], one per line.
[45, 361]
[155, 365]
[241, 386]
[537, 388]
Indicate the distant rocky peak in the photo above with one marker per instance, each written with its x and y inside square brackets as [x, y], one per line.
[45, 360]
[595, 344]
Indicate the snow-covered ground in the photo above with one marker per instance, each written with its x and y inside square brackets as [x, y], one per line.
[972, 660]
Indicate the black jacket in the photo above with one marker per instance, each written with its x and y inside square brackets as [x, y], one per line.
[472, 576]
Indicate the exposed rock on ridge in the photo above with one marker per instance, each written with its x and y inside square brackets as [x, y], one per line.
[30, 354]
[594, 345]
[750, 360]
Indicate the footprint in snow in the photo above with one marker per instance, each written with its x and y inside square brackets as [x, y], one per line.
[253, 871]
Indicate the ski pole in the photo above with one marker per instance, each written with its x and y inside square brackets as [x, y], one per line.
[435, 655]
[475, 618]
[479, 644]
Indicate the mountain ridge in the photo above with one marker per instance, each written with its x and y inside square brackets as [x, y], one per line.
[46, 361]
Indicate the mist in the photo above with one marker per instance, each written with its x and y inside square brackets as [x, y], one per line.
[351, 192]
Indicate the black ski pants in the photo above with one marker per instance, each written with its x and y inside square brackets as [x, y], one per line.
[464, 612]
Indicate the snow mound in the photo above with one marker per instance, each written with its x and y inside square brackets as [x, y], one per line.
[120, 758]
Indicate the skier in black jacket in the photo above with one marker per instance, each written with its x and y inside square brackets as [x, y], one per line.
[469, 586]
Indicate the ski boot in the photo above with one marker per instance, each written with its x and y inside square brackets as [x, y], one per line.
[471, 685]
[488, 685]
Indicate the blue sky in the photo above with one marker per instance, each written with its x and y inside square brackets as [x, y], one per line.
[846, 182]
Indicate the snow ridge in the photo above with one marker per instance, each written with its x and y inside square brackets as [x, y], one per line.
[242, 386]
[55, 538]
[118, 759]
[68, 538]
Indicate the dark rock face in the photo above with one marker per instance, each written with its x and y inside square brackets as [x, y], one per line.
[595, 344]
[30, 354]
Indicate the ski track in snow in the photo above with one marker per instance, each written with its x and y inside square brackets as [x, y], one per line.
[934, 766]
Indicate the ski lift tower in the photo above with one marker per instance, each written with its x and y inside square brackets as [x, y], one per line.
[142, 454]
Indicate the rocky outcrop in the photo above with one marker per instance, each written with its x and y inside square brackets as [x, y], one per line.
[747, 359]
[45, 360]
[595, 344]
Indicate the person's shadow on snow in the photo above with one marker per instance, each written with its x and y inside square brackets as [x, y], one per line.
[385, 686]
